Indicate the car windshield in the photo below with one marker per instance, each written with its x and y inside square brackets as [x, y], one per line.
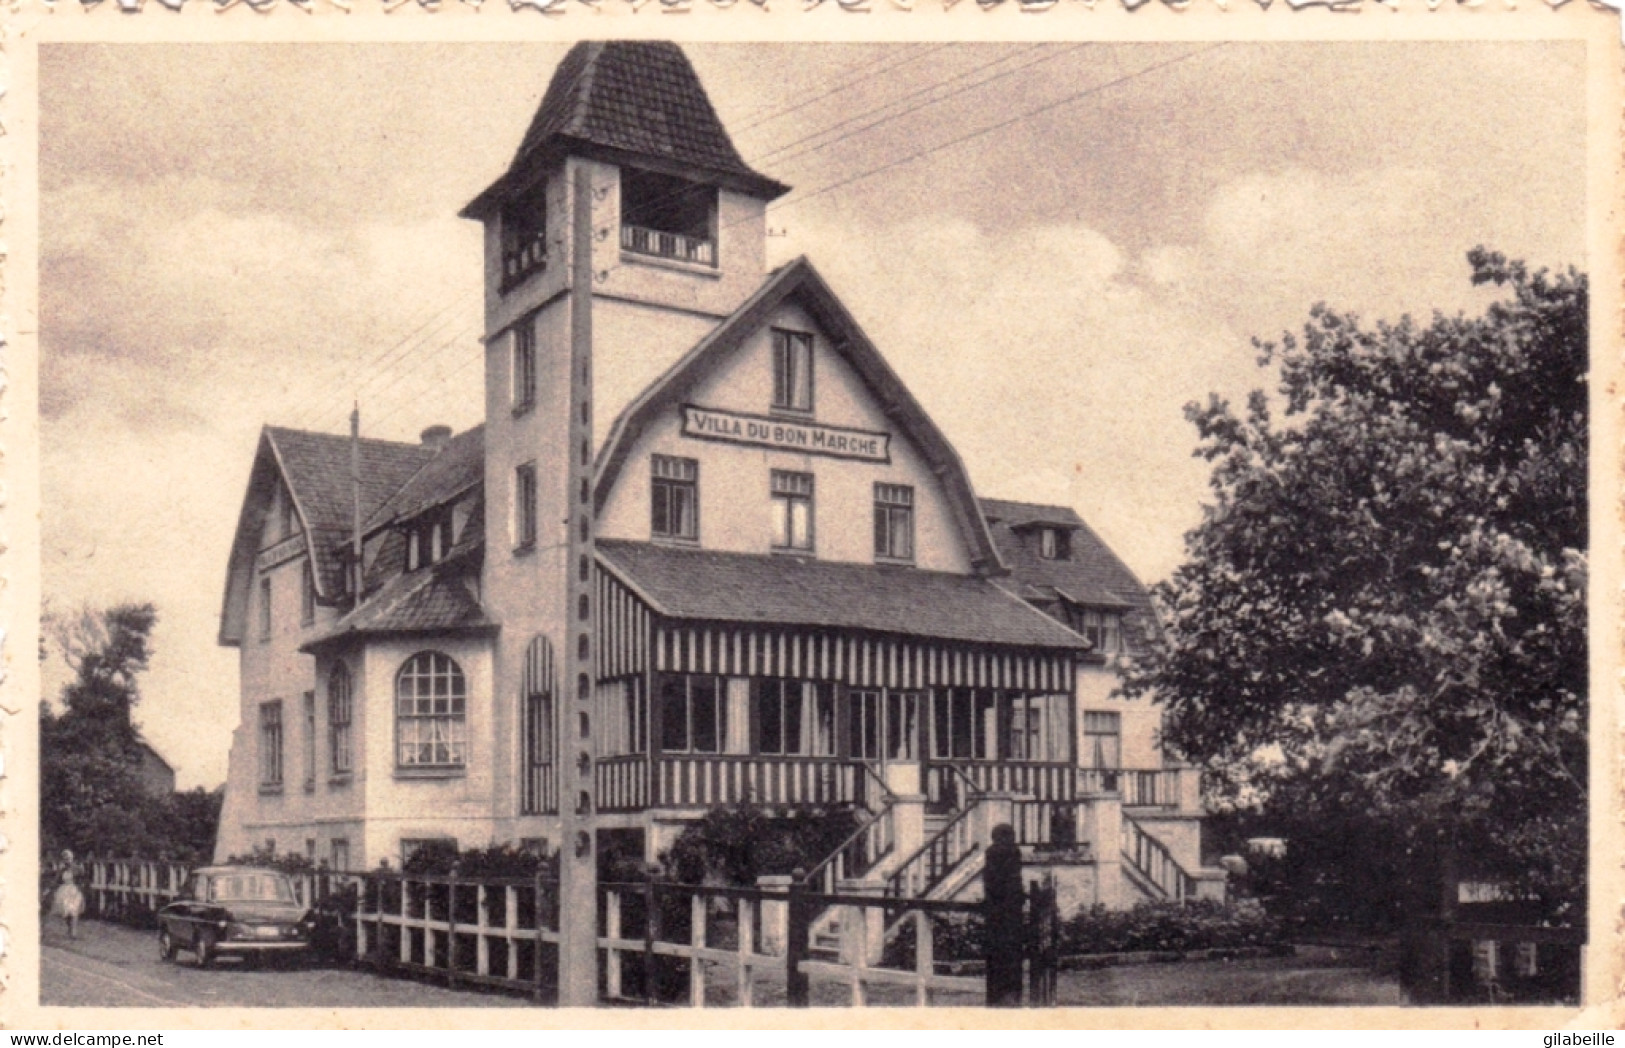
[250, 887]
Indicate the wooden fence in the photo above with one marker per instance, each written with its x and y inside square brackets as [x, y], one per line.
[659, 943]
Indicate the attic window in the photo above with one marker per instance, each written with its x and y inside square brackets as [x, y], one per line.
[1054, 544]
[668, 217]
[524, 236]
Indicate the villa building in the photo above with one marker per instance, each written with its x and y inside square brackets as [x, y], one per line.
[796, 597]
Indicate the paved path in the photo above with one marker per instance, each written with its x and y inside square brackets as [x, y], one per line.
[113, 966]
[110, 966]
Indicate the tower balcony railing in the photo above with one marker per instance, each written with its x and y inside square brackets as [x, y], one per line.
[679, 247]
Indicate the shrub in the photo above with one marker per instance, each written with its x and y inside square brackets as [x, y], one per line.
[1204, 924]
[739, 843]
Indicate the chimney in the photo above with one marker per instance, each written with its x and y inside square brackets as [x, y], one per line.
[436, 437]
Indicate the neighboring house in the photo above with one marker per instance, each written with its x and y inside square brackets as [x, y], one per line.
[798, 599]
[157, 777]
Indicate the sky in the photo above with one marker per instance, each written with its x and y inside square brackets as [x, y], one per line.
[1056, 246]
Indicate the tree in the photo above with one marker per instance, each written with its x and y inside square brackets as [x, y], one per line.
[92, 798]
[1381, 616]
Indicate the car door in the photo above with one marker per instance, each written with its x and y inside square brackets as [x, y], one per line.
[190, 902]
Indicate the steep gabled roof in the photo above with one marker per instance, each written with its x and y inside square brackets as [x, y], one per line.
[1092, 576]
[714, 586]
[315, 468]
[799, 281]
[456, 468]
[625, 100]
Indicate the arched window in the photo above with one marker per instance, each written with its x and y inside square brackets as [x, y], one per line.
[431, 700]
[339, 714]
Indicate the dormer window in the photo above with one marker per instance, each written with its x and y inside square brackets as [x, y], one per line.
[668, 217]
[1054, 544]
[524, 236]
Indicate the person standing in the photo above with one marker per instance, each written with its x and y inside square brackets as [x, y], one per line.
[1005, 897]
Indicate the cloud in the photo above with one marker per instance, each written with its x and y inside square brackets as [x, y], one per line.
[175, 322]
[1378, 242]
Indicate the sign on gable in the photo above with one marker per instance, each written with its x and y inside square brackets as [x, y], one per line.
[810, 438]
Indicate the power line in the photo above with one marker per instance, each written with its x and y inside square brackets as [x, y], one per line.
[844, 85]
[1029, 114]
[923, 91]
[863, 175]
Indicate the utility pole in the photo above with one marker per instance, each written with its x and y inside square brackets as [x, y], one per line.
[578, 869]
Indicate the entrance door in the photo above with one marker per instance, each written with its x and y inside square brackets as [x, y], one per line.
[883, 728]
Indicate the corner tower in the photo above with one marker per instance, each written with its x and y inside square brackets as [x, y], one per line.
[675, 242]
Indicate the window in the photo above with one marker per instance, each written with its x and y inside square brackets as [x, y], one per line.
[894, 521]
[437, 541]
[431, 699]
[524, 506]
[792, 370]
[1102, 740]
[794, 717]
[964, 724]
[271, 743]
[338, 719]
[1039, 727]
[694, 713]
[1102, 629]
[902, 725]
[792, 510]
[674, 497]
[623, 716]
[310, 849]
[524, 236]
[307, 595]
[308, 707]
[414, 550]
[524, 365]
[863, 725]
[1054, 544]
[668, 217]
[265, 608]
[339, 850]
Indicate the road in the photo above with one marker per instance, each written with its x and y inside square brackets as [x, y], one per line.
[110, 966]
[113, 966]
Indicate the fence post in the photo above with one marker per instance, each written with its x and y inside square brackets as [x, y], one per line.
[745, 915]
[536, 991]
[925, 957]
[651, 924]
[510, 924]
[855, 945]
[612, 932]
[696, 938]
[406, 933]
[451, 932]
[482, 945]
[362, 946]
[797, 943]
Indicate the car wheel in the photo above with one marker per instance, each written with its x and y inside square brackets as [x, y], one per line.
[205, 948]
[166, 945]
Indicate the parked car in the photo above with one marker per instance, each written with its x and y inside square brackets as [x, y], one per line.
[243, 911]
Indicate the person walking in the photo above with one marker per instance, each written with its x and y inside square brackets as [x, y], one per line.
[68, 902]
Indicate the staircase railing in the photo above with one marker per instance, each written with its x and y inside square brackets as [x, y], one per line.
[1152, 860]
[871, 842]
[921, 872]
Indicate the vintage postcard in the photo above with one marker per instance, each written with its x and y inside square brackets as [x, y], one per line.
[734, 510]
